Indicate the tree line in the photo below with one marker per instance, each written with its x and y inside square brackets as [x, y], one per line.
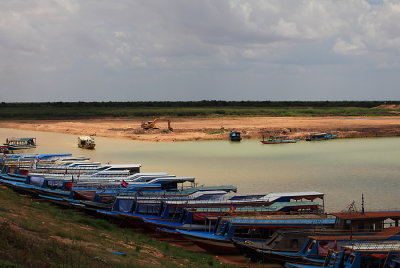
[203, 103]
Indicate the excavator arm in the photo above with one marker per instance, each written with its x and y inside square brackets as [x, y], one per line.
[152, 124]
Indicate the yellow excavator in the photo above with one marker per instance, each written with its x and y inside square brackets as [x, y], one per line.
[152, 124]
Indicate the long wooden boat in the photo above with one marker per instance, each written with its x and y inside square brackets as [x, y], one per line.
[19, 144]
[360, 254]
[256, 229]
[278, 140]
[321, 136]
[201, 219]
[351, 226]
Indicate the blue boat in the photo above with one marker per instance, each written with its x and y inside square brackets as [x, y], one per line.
[321, 136]
[351, 226]
[202, 218]
[19, 144]
[133, 208]
[382, 254]
[278, 140]
[252, 229]
[235, 136]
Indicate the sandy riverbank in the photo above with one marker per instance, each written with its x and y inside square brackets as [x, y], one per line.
[186, 129]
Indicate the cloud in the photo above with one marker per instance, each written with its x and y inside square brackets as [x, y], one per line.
[357, 47]
[180, 38]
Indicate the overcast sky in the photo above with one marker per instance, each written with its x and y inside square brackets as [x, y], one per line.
[129, 50]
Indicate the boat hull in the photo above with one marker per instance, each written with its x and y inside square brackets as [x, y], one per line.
[90, 147]
[278, 142]
[222, 247]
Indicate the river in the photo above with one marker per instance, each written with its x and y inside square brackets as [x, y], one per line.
[343, 169]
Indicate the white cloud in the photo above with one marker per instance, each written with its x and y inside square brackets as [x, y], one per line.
[356, 47]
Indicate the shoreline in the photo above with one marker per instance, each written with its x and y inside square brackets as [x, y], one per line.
[195, 129]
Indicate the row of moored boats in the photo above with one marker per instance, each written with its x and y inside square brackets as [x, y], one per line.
[291, 228]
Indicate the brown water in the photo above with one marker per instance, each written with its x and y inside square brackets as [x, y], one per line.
[343, 169]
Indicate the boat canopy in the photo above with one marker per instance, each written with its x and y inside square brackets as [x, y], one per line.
[368, 246]
[384, 214]
[293, 195]
[285, 221]
[86, 138]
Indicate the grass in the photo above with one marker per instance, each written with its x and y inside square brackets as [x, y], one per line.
[37, 234]
[8, 264]
[127, 110]
[216, 132]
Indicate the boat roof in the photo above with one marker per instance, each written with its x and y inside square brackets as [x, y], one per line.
[375, 246]
[226, 188]
[147, 176]
[292, 195]
[20, 139]
[124, 166]
[383, 214]
[175, 194]
[386, 233]
[171, 179]
[256, 198]
[85, 138]
[283, 220]
[46, 156]
[273, 207]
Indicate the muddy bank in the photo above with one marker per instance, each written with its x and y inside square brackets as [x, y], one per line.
[189, 129]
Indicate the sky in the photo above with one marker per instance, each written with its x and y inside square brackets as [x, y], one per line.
[180, 50]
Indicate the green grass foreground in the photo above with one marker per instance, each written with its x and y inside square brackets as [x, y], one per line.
[76, 110]
[36, 234]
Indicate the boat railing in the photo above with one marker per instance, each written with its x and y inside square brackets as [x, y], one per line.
[383, 209]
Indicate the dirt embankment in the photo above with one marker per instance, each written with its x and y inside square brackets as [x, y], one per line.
[187, 129]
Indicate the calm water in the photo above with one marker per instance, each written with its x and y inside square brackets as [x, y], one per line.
[342, 169]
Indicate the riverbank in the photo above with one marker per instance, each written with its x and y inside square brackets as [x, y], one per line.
[217, 128]
[36, 234]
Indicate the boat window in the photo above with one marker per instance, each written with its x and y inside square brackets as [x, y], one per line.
[346, 256]
[351, 258]
[228, 229]
[333, 258]
[273, 238]
[370, 261]
[310, 245]
[294, 243]
[328, 256]
[247, 232]
[218, 232]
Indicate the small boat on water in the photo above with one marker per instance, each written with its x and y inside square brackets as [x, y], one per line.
[19, 144]
[321, 136]
[278, 140]
[235, 136]
[86, 142]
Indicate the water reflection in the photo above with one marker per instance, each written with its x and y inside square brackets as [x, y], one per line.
[342, 169]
